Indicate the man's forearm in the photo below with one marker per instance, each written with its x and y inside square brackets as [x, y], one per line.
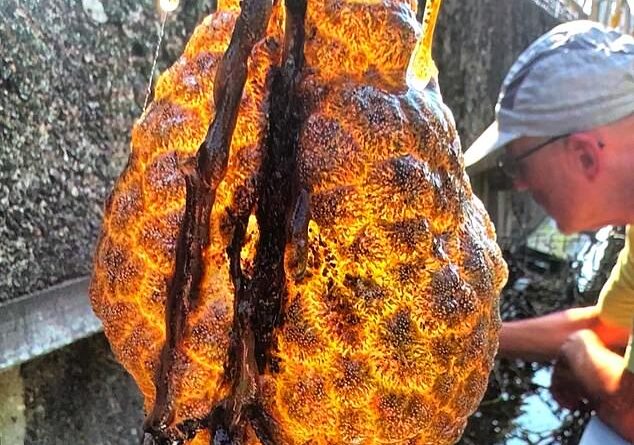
[539, 339]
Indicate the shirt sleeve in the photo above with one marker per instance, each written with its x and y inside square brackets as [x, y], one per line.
[616, 300]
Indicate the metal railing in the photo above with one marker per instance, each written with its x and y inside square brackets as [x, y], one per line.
[615, 13]
[564, 10]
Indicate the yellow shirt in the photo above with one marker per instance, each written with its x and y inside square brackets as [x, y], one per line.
[616, 301]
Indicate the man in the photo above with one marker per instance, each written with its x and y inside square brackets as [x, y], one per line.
[564, 131]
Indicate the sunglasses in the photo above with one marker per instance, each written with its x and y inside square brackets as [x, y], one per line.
[511, 165]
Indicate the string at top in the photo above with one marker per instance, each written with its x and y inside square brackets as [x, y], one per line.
[165, 7]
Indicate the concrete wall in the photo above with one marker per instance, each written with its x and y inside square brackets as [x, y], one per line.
[476, 43]
[73, 76]
[72, 80]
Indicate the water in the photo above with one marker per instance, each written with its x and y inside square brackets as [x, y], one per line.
[538, 419]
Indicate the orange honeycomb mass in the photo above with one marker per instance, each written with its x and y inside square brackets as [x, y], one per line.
[389, 316]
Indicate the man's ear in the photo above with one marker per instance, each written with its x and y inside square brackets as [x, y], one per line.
[585, 151]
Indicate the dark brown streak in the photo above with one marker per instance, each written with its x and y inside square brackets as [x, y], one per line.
[264, 426]
[259, 299]
[241, 370]
[278, 173]
[202, 181]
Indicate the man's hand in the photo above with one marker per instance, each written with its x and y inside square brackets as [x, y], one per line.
[565, 387]
[586, 368]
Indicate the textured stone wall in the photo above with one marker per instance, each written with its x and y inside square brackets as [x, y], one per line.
[73, 76]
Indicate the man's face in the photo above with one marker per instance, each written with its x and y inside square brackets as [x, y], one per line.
[543, 173]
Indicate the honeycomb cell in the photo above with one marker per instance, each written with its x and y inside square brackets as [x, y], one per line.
[332, 205]
[304, 400]
[299, 329]
[122, 269]
[157, 237]
[352, 375]
[409, 234]
[195, 80]
[125, 205]
[327, 152]
[401, 415]
[167, 127]
[163, 181]
[453, 301]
